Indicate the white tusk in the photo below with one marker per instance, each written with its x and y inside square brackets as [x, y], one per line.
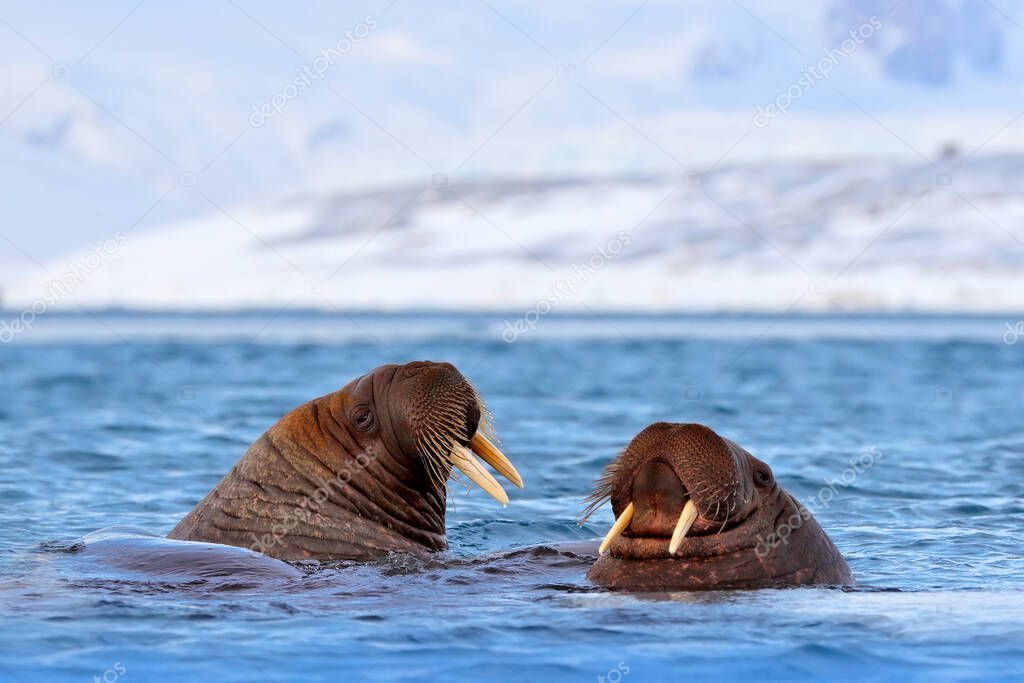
[686, 519]
[620, 524]
[467, 463]
[493, 456]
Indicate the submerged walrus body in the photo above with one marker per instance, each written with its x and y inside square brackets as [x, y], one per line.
[695, 511]
[357, 473]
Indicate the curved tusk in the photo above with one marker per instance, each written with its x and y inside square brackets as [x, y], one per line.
[686, 519]
[493, 456]
[467, 463]
[620, 524]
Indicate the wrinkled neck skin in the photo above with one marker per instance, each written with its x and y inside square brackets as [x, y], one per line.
[315, 487]
[777, 544]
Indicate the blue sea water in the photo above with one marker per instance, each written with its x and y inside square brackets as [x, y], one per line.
[117, 419]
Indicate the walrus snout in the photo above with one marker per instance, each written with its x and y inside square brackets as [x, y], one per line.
[419, 366]
[658, 497]
[674, 481]
[693, 509]
[448, 426]
[672, 484]
[438, 402]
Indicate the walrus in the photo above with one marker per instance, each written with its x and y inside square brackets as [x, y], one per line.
[357, 473]
[694, 511]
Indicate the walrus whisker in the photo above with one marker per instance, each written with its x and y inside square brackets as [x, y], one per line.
[724, 521]
[486, 426]
[434, 471]
[602, 490]
[436, 444]
[434, 449]
[440, 442]
[458, 479]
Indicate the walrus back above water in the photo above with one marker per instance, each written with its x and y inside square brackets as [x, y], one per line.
[356, 473]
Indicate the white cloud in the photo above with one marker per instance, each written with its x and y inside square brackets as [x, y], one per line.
[673, 59]
[396, 47]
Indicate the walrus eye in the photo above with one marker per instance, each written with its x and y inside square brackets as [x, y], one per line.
[763, 477]
[364, 420]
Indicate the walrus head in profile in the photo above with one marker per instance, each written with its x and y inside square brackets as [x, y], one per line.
[356, 473]
[695, 511]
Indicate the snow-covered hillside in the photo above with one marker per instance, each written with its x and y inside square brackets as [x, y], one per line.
[856, 235]
[103, 110]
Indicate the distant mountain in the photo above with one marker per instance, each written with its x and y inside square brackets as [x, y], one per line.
[105, 112]
[864, 235]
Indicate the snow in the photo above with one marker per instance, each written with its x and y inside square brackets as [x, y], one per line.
[96, 134]
[852, 236]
